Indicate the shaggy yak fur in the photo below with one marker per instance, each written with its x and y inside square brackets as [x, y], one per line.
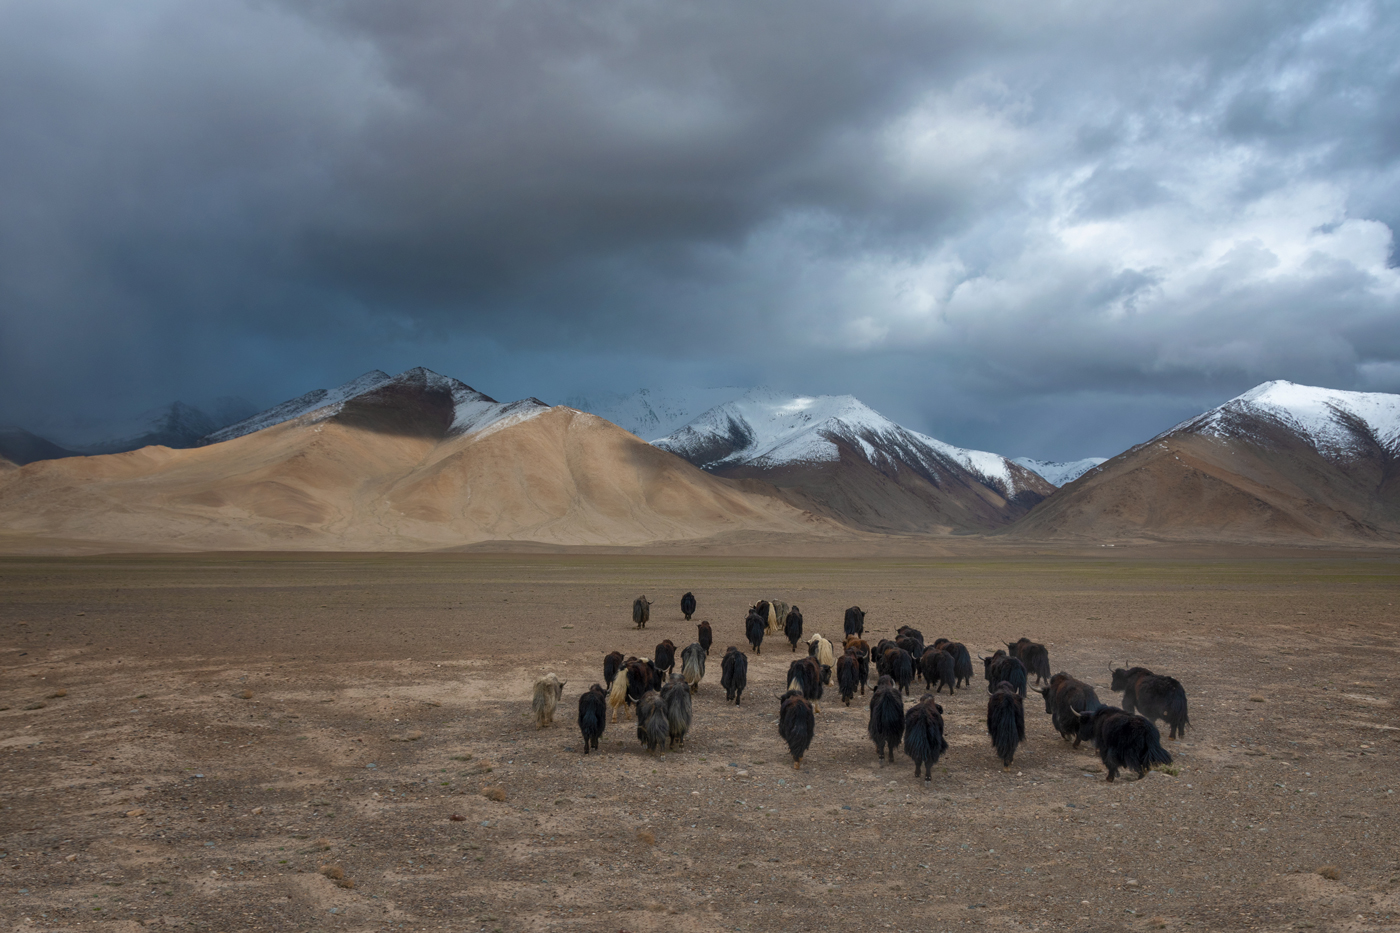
[665, 657]
[688, 605]
[923, 735]
[855, 621]
[937, 668]
[693, 665]
[612, 663]
[734, 674]
[819, 648]
[641, 611]
[592, 715]
[1155, 696]
[962, 660]
[548, 690]
[754, 630]
[900, 666]
[1065, 699]
[805, 676]
[1124, 740]
[1001, 666]
[653, 725]
[886, 717]
[796, 725]
[847, 675]
[1006, 722]
[1033, 656]
[862, 652]
[676, 696]
[705, 636]
[792, 627]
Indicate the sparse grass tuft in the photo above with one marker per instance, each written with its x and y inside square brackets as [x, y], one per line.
[646, 837]
[495, 792]
[337, 874]
[1256, 699]
[1173, 770]
[246, 695]
[1330, 872]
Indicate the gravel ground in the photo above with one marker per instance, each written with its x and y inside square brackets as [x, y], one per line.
[265, 743]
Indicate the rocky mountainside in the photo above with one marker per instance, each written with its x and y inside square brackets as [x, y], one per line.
[1282, 461]
[1059, 472]
[838, 457]
[416, 461]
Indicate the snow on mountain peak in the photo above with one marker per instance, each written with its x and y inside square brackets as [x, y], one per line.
[764, 429]
[472, 410]
[1060, 472]
[1334, 421]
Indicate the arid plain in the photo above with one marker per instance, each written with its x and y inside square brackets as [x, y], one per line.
[255, 742]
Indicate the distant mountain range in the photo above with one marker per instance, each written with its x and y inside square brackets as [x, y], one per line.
[1280, 462]
[421, 460]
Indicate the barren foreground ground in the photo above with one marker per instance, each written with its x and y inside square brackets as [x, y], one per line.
[255, 743]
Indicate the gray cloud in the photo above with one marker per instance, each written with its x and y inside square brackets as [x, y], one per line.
[985, 222]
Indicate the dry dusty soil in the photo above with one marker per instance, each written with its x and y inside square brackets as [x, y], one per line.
[301, 743]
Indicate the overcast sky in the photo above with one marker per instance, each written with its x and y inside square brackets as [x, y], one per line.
[1045, 229]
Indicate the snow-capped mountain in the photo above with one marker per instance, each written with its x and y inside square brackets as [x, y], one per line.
[652, 414]
[452, 407]
[1337, 424]
[850, 460]
[1280, 462]
[176, 425]
[1060, 472]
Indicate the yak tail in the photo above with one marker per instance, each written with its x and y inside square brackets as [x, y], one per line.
[617, 696]
[924, 742]
[795, 686]
[1175, 712]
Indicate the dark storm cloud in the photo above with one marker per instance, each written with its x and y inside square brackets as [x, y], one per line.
[971, 216]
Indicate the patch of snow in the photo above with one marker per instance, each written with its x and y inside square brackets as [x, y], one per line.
[762, 428]
[302, 405]
[1060, 472]
[1336, 423]
[651, 414]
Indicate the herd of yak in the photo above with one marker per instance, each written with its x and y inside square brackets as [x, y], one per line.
[1125, 738]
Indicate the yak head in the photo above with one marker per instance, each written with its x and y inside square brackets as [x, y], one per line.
[1120, 678]
[1045, 692]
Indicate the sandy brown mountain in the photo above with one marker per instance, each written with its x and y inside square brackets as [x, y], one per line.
[385, 471]
[1253, 469]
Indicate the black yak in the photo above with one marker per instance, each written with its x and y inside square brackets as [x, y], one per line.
[962, 660]
[908, 631]
[878, 656]
[1155, 696]
[886, 717]
[653, 725]
[665, 657]
[937, 668]
[1006, 722]
[914, 646]
[688, 605]
[899, 665]
[805, 676]
[1001, 666]
[754, 628]
[1033, 656]
[641, 611]
[847, 675]
[796, 725]
[1065, 699]
[1124, 740]
[862, 652]
[636, 678]
[676, 696]
[592, 715]
[734, 674]
[612, 663]
[792, 626]
[923, 735]
[855, 621]
[705, 636]
[693, 665]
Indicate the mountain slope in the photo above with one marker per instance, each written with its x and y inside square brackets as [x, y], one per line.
[20, 447]
[836, 456]
[417, 461]
[651, 414]
[1281, 461]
